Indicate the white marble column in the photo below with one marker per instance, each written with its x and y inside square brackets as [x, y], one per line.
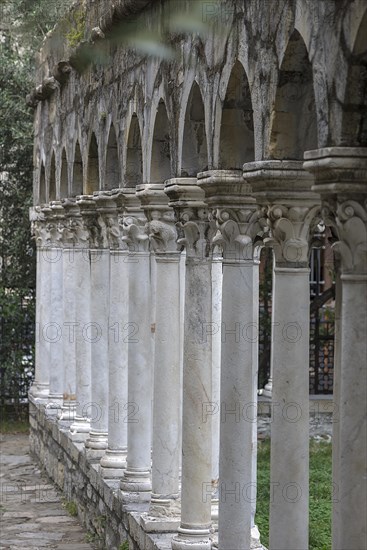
[216, 359]
[69, 332]
[39, 219]
[79, 429]
[164, 510]
[114, 461]
[136, 482]
[187, 199]
[290, 217]
[97, 332]
[235, 212]
[55, 326]
[341, 178]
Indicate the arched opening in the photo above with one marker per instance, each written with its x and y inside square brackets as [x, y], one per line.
[77, 183]
[52, 180]
[42, 186]
[237, 126]
[194, 146]
[64, 187]
[354, 130]
[160, 168]
[293, 119]
[112, 161]
[92, 180]
[134, 156]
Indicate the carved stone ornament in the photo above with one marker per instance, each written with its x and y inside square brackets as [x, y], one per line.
[349, 219]
[238, 218]
[291, 232]
[134, 234]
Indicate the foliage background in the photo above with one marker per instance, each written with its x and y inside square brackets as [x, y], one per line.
[23, 25]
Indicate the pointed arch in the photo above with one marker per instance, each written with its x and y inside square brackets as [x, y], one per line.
[77, 182]
[112, 180]
[194, 146]
[293, 117]
[134, 155]
[160, 168]
[236, 145]
[42, 186]
[64, 179]
[92, 179]
[354, 125]
[52, 180]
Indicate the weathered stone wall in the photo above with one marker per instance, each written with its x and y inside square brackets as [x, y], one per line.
[99, 506]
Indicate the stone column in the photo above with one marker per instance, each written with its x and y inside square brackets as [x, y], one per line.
[187, 199]
[40, 230]
[81, 425]
[236, 217]
[284, 189]
[96, 444]
[341, 179]
[136, 481]
[55, 327]
[216, 357]
[67, 413]
[164, 511]
[114, 461]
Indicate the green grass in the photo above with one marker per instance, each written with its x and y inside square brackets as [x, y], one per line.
[320, 494]
[8, 426]
[70, 506]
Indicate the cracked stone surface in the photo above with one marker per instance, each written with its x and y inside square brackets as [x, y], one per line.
[31, 511]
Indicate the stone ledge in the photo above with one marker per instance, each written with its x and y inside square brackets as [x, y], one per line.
[100, 508]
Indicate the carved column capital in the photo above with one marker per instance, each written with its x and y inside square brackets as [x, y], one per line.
[160, 226]
[89, 220]
[106, 209]
[72, 230]
[193, 222]
[41, 225]
[290, 206]
[238, 219]
[341, 179]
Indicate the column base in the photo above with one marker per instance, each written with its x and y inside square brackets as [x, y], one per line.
[255, 540]
[96, 445]
[39, 392]
[54, 405]
[193, 539]
[153, 524]
[80, 428]
[67, 412]
[136, 486]
[113, 463]
[164, 514]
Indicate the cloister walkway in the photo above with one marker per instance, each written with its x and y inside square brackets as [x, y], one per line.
[32, 515]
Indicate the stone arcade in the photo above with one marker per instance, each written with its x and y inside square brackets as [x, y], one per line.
[156, 184]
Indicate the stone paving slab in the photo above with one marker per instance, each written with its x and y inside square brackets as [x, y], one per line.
[31, 512]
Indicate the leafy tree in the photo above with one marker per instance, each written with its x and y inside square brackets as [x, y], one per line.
[24, 25]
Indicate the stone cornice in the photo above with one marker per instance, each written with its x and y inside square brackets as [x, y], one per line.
[338, 170]
[279, 181]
